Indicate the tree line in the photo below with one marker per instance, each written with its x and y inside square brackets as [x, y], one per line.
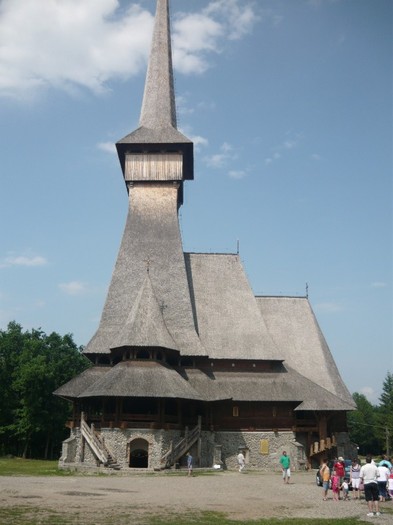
[32, 420]
[371, 426]
[32, 366]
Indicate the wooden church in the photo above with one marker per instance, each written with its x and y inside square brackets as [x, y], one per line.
[186, 357]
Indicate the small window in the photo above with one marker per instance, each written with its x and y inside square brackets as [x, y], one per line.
[235, 411]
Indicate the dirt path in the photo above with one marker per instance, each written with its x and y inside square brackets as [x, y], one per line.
[240, 496]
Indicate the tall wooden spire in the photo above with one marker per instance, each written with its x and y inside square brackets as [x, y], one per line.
[158, 107]
[157, 133]
[156, 158]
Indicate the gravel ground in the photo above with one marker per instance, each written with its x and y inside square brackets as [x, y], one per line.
[242, 496]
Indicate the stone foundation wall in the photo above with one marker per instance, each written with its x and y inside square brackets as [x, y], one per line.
[262, 450]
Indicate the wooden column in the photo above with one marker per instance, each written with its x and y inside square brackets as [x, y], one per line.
[322, 426]
[119, 409]
[161, 412]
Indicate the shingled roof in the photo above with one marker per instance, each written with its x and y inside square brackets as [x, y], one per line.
[141, 379]
[229, 321]
[280, 385]
[73, 388]
[295, 330]
[145, 325]
[151, 240]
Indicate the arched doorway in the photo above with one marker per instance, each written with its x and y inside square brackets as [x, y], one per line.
[139, 453]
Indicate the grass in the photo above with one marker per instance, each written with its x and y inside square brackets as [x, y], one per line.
[37, 516]
[216, 518]
[12, 466]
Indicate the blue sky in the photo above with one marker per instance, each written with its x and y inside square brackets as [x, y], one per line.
[289, 104]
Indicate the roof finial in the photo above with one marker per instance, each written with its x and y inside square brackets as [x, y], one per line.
[307, 290]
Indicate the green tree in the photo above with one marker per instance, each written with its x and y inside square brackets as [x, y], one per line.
[362, 425]
[11, 344]
[33, 366]
[385, 415]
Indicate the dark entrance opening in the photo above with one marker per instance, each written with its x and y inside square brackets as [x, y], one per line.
[139, 453]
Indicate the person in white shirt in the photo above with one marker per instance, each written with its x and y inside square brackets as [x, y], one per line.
[382, 479]
[368, 475]
[241, 461]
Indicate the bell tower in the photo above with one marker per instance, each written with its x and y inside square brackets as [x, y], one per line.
[155, 159]
[157, 151]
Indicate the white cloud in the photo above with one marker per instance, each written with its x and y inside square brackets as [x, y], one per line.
[107, 147]
[238, 17]
[199, 141]
[370, 393]
[221, 159]
[73, 288]
[69, 44]
[73, 45]
[282, 149]
[23, 260]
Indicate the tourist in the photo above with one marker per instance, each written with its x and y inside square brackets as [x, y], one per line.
[385, 461]
[368, 475]
[324, 472]
[355, 478]
[339, 467]
[285, 463]
[189, 464]
[382, 479]
[335, 486]
[345, 488]
[241, 461]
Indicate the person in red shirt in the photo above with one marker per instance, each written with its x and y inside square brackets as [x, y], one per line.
[339, 467]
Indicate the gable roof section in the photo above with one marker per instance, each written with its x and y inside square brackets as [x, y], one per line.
[295, 330]
[229, 322]
[145, 325]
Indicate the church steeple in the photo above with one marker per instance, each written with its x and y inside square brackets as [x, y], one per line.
[159, 107]
[156, 159]
[165, 153]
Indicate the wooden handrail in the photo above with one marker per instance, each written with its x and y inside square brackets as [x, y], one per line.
[174, 453]
[95, 441]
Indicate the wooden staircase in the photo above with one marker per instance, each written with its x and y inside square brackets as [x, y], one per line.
[176, 452]
[97, 445]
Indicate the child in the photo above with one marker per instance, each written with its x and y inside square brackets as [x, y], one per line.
[189, 464]
[335, 485]
[345, 488]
